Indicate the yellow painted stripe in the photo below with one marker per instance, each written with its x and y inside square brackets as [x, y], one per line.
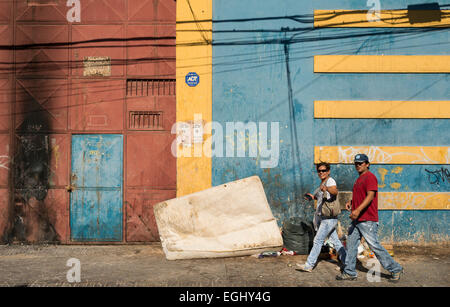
[408, 200]
[194, 54]
[381, 109]
[383, 154]
[386, 19]
[382, 64]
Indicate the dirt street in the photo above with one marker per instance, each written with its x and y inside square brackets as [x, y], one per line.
[145, 265]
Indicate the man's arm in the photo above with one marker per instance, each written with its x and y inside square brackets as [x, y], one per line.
[355, 213]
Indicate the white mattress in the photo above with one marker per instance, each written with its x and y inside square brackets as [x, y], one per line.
[233, 219]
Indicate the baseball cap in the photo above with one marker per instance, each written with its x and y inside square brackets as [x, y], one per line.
[361, 158]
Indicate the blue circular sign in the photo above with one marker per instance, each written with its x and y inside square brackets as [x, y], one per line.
[192, 79]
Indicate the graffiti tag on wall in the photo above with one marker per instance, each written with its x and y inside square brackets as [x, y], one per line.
[438, 176]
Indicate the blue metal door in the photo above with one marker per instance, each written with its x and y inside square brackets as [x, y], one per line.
[96, 185]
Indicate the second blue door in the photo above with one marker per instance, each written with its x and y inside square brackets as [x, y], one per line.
[96, 183]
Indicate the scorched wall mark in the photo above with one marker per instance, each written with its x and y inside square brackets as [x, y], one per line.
[31, 154]
[31, 173]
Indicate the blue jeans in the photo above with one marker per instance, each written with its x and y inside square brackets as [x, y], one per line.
[368, 230]
[326, 228]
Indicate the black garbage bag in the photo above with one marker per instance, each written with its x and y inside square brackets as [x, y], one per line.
[298, 235]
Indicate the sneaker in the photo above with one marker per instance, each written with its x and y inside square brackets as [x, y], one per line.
[303, 268]
[395, 277]
[345, 276]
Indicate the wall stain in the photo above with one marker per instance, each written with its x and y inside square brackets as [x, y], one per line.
[31, 221]
[383, 172]
[397, 170]
[396, 185]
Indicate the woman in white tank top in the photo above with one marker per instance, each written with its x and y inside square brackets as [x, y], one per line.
[325, 227]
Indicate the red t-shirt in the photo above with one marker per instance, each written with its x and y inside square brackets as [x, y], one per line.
[364, 183]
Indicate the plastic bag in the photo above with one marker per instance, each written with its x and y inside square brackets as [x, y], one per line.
[298, 235]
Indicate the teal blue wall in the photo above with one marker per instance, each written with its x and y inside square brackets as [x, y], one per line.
[250, 85]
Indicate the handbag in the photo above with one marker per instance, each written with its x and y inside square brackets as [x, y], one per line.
[330, 208]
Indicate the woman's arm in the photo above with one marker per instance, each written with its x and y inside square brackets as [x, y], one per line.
[332, 190]
[310, 195]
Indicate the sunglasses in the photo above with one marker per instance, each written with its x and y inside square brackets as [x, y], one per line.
[322, 170]
[359, 163]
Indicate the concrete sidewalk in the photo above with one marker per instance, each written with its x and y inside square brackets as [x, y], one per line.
[145, 265]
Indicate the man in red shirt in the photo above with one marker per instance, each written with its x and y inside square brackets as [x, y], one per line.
[364, 215]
